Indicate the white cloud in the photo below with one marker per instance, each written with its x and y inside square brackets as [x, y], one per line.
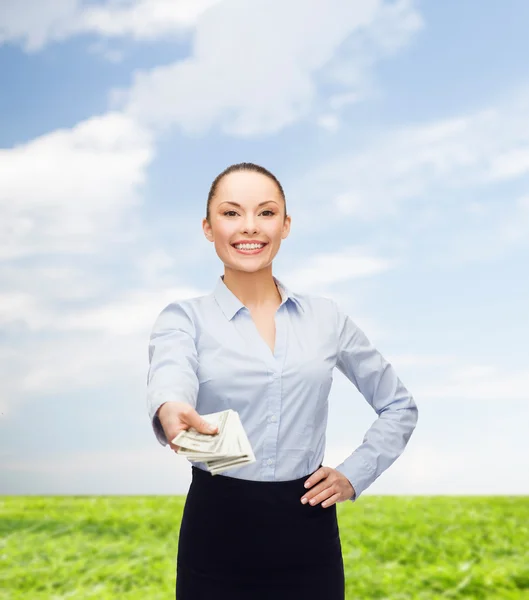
[68, 190]
[514, 226]
[324, 269]
[478, 383]
[511, 163]
[94, 460]
[426, 468]
[133, 470]
[16, 305]
[338, 101]
[414, 162]
[255, 67]
[133, 312]
[73, 362]
[33, 24]
[44, 282]
[66, 197]
[36, 24]
[330, 122]
[428, 181]
[422, 360]
[55, 346]
[142, 19]
[493, 232]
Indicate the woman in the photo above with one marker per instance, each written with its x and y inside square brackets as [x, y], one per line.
[254, 346]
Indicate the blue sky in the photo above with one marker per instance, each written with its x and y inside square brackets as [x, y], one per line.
[400, 133]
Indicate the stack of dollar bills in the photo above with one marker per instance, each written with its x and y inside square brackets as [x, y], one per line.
[227, 449]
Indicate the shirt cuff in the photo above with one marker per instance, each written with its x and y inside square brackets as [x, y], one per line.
[358, 472]
[158, 431]
[154, 402]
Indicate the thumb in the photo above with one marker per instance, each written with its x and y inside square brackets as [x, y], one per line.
[200, 424]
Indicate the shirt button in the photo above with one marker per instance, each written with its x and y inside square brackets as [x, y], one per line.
[273, 418]
[275, 375]
[270, 461]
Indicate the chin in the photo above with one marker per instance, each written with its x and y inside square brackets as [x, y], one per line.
[248, 269]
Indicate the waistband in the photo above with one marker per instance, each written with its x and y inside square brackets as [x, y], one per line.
[249, 484]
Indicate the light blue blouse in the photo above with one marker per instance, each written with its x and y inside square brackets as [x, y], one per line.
[207, 351]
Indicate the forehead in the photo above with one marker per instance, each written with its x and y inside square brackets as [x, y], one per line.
[247, 187]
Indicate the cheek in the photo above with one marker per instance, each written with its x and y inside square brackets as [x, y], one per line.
[224, 233]
[273, 231]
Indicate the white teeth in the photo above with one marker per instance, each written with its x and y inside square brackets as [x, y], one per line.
[248, 246]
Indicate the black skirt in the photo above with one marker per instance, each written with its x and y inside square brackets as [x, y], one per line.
[254, 540]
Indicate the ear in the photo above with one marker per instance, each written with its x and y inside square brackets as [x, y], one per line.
[208, 231]
[286, 227]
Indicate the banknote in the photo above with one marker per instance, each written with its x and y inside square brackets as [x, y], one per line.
[227, 449]
[191, 439]
[243, 455]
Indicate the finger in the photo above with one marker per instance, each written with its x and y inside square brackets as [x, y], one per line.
[200, 424]
[315, 490]
[318, 489]
[320, 474]
[176, 432]
[172, 445]
[330, 501]
[323, 495]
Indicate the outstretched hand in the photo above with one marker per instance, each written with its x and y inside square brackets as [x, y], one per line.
[333, 487]
[179, 416]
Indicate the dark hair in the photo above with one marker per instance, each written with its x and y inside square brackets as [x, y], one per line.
[242, 167]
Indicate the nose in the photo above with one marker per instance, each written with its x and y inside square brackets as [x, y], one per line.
[250, 225]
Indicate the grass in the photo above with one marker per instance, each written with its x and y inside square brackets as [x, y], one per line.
[397, 548]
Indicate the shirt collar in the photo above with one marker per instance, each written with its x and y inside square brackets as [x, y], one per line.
[230, 304]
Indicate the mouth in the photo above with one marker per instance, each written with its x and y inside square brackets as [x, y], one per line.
[252, 251]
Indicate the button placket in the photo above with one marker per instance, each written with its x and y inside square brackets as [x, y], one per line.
[275, 366]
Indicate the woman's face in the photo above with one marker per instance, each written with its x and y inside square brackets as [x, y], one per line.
[251, 220]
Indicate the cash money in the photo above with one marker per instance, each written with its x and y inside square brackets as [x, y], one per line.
[227, 449]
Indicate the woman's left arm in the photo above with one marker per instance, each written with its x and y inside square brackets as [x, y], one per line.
[376, 379]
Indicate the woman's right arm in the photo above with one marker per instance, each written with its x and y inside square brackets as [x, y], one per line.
[172, 383]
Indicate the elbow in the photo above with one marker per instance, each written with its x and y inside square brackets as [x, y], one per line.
[412, 412]
[403, 410]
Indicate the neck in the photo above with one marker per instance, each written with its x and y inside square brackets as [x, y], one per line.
[254, 290]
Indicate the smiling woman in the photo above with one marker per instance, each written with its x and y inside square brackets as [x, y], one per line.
[269, 528]
[246, 216]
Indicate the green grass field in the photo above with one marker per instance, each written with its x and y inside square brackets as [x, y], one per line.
[119, 547]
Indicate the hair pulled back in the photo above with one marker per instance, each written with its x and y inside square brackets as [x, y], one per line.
[245, 166]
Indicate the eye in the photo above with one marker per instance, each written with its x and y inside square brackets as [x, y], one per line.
[226, 213]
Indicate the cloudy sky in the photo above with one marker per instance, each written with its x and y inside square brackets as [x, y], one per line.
[400, 133]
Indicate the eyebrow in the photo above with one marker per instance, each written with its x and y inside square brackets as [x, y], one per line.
[236, 204]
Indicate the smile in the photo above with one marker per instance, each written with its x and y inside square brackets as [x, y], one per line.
[250, 251]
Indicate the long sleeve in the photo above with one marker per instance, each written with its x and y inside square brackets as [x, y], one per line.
[173, 364]
[376, 379]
